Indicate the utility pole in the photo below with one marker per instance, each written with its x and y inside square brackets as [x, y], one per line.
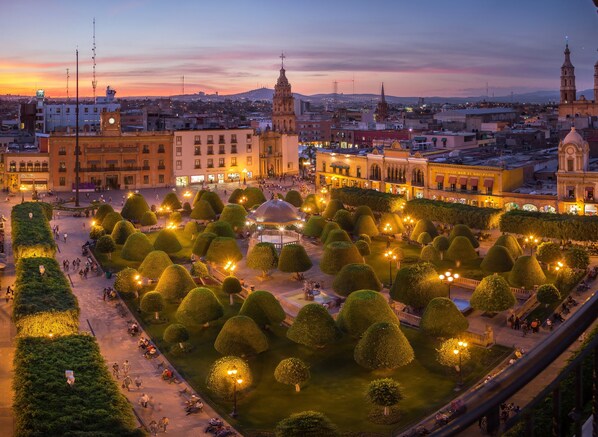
[77, 135]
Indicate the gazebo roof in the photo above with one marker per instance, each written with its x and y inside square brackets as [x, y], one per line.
[276, 212]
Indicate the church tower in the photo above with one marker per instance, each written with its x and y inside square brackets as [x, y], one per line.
[568, 93]
[382, 108]
[283, 104]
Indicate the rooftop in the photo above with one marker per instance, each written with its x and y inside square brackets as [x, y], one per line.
[477, 111]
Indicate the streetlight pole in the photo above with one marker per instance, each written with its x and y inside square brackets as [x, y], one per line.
[531, 241]
[77, 135]
[459, 352]
[391, 257]
[448, 279]
[233, 374]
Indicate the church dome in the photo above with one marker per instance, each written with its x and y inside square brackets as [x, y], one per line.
[276, 212]
[574, 138]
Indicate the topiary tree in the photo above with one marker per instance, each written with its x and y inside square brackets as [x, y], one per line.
[391, 223]
[362, 210]
[313, 327]
[294, 198]
[96, 232]
[362, 309]
[526, 273]
[102, 211]
[429, 253]
[364, 237]
[548, 294]
[199, 307]
[416, 285]
[214, 200]
[105, 244]
[254, 196]
[385, 392]
[330, 226]
[549, 253]
[314, 226]
[221, 384]
[176, 333]
[152, 302]
[424, 225]
[187, 208]
[292, 371]
[311, 204]
[191, 229]
[306, 424]
[446, 354]
[122, 230]
[337, 255]
[383, 347]
[442, 318]
[203, 211]
[461, 250]
[332, 208]
[126, 281]
[365, 224]
[175, 283]
[338, 235]
[464, 231]
[231, 286]
[197, 197]
[294, 259]
[171, 202]
[424, 238]
[353, 277]
[221, 229]
[497, 260]
[110, 220]
[154, 264]
[223, 250]
[167, 241]
[241, 336]
[263, 308]
[148, 219]
[364, 248]
[134, 207]
[175, 217]
[441, 243]
[344, 220]
[492, 295]
[200, 270]
[262, 257]
[202, 243]
[236, 195]
[234, 215]
[511, 244]
[576, 258]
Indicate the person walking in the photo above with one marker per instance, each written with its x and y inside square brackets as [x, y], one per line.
[143, 400]
[153, 427]
[138, 382]
[65, 236]
[126, 367]
[127, 382]
[163, 423]
[115, 371]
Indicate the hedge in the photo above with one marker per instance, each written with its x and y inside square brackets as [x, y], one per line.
[234, 215]
[332, 208]
[416, 285]
[366, 225]
[314, 226]
[442, 318]
[122, 230]
[175, 283]
[511, 244]
[221, 229]
[424, 225]
[344, 219]
[377, 201]
[203, 211]
[172, 202]
[101, 212]
[454, 213]
[306, 424]
[254, 196]
[223, 250]
[464, 231]
[137, 247]
[110, 220]
[337, 255]
[498, 259]
[202, 243]
[148, 218]
[263, 308]
[294, 259]
[561, 226]
[167, 241]
[31, 236]
[199, 307]
[330, 226]
[214, 200]
[526, 273]
[383, 347]
[493, 295]
[294, 198]
[337, 235]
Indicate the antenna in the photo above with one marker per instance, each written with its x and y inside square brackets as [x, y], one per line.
[94, 82]
[487, 94]
[183, 78]
[335, 93]
[353, 80]
[67, 84]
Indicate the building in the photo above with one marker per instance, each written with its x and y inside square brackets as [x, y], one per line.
[348, 137]
[382, 108]
[570, 105]
[26, 170]
[471, 119]
[283, 104]
[110, 159]
[313, 131]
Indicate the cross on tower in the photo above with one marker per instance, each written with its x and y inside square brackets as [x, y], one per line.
[282, 56]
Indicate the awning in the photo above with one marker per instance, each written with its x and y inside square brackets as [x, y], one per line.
[463, 180]
[452, 179]
[439, 178]
[473, 182]
[488, 183]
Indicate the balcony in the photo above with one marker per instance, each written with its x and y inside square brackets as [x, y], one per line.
[197, 153]
[197, 143]
[160, 150]
[62, 170]
[396, 181]
[417, 183]
[197, 167]
[28, 170]
[221, 166]
[221, 151]
[161, 167]
[145, 167]
[210, 165]
[210, 141]
[270, 155]
[62, 152]
[145, 151]
[210, 152]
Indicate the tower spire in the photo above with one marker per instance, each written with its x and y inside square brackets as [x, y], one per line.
[282, 56]
[568, 90]
[94, 82]
[382, 98]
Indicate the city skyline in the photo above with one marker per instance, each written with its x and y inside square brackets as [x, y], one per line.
[415, 49]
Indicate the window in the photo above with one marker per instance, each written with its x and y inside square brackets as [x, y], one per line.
[129, 180]
[453, 187]
[290, 167]
[233, 138]
[569, 165]
[249, 160]
[61, 166]
[62, 181]
[179, 165]
[145, 164]
[233, 161]
[197, 151]
[145, 148]
[210, 163]
[210, 139]
[221, 150]
[440, 185]
[474, 188]
[248, 138]
[161, 179]
[220, 139]
[86, 110]
[13, 166]
[146, 179]
[489, 191]
[221, 162]
[210, 150]
[161, 148]
[248, 148]
[197, 140]
[233, 149]
[324, 167]
[179, 151]
[161, 164]
[358, 172]
[197, 163]
[179, 140]
[62, 150]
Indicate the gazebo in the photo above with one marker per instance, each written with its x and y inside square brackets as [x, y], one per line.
[278, 214]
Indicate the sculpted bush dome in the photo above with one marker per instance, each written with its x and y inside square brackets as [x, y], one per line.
[134, 207]
[362, 309]
[353, 277]
[313, 327]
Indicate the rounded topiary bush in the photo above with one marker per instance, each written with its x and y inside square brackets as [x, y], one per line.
[576, 258]
[122, 230]
[110, 221]
[548, 294]
[363, 247]
[175, 283]
[424, 238]
[332, 208]
[167, 241]
[424, 225]
[148, 219]
[200, 270]
[442, 318]
[353, 277]
[154, 264]
[126, 281]
[176, 334]
[526, 273]
[314, 226]
[214, 200]
[134, 207]
[362, 309]
[294, 198]
[262, 257]
[344, 220]
[330, 226]
[263, 308]
[234, 215]
[101, 212]
[96, 232]
[337, 255]
[416, 285]
[171, 202]
[441, 243]
[292, 371]
[307, 424]
[511, 244]
[175, 217]
[191, 229]
[294, 259]
[549, 252]
[338, 235]
[221, 229]
[231, 286]
[137, 247]
[221, 384]
[203, 211]
[461, 250]
[199, 307]
[365, 225]
[223, 250]
[235, 196]
[241, 336]
[492, 295]
[152, 302]
[464, 231]
[254, 196]
[383, 347]
[429, 253]
[202, 243]
[197, 197]
[313, 327]
[391, 223]
[106, 244]
[311, 204]
[362, 210]
[364, 237]
[497, 260]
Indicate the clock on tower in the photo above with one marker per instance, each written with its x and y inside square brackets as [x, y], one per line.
[110, 123]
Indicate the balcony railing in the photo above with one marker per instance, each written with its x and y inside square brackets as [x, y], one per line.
[417, 183]
[28, 170]
[270, 155]
[62, 152]
[161, 167]
[113, 168]
[145, 167]
[62, 170]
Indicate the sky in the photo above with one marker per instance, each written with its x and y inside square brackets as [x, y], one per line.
[416, 48]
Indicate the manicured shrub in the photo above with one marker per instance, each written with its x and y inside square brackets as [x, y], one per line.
[231, 286]
[197, 197]
[416, 285]
[242, 337]
[214, 200]
[424, 225]
[391, 223]
[362, 309]
[200, 270]
[126, 282]
[203, 211]
[221, 229]
[122, 230]
[560, 226]
[446, 353]
[234, 215]
[263, 308]
[441, 243]
[101, 212]
[314, 226]
[549, 252]
[344, 220]
[167, 241]
[497, 260]
[364, 237]
[492, 295]
[105, 244]
[548, 294]
[171, 202]
[385, 393]
[511, 244]
[313, 327]
[96, 232]
[202, 243]
[442, 318]
[376, 200]
[461, 250]
[31, 236]
[294, 198]
[383, 347]
[235, 196]
[223, 250]
[294, 259]
[577, 258]
[311, 204]
[353, 277]
[424, 238]
[526, 273]
[363, 247]
[454, 213]
[221, 384]
[199, 307]
[330, 226]
[292, 371]
[262, 257]
[362, 210]
[175, 283]
[148, 218]
[338, 235]
[187, 208]
[134, 208]
[176, 333]
[464, 231]
[152, 302]
[110, 221]
[154, 264]
[254, 196]
[306, 424]
[175, 217]
[332, 208]
[429, 253]
[365, 225]
[191, 229]
[337, 255]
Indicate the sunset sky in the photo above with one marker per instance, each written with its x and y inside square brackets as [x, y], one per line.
[417, 48]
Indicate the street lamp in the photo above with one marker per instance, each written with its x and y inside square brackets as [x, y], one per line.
[408, 222]
[459, 352]
[139, 283]
[42, 269]
[448, 279]
[531, 241]
[23, 188]
[232, 372]
[559, 266]
[391, 256]
[230, 267]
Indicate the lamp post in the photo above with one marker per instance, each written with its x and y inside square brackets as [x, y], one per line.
[230, 267]
[391, 256]
[387, 229]
[459, 352]
[559, 266]
[138, 282]
[232, 372]
[22, 188]
[531, 241]
[408, 222]
[448, 279]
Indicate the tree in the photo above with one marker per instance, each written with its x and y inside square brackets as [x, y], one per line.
[464, 231]
[344, 220]
[294, 198]
[214, 200]
[353, 277]
[202, 243]
[110, 220]
[362, 210]
[234, 215]
[223, 250]
[167, 241]
[175, 283]
[122, 230]
[191, 229]
[96, 232]
[154, 264]
[219, 381]
[199, 307]
[424, 225]
[365, 225]
[102, 211]
[337, 255]
[241, 336]
[364, 237]
[294, 259]
[175, 217]
[200, 270]
[292, 371]
[176, 333]
[311, 205]
[197, 197]
[461, 250]
[442, 318]
[263, 308]
[306, 424]
[148, 218]
[221, 229]
[134, 207]
[526, 273]
[263, 257]
[236, 195]
[330, 226]
[447, 356]
[314, 226]
[126, 281]
[203, 211]
[105, 244]
[549, 253]
[385, 392]
[391, 223]
[441, 243]
[338, 235]
[424, 238]
[332, 208]
[548, 294]
[492, 295]
[429, 253]
[577, 258]
[364, 248]
[511, 244]
[362, 309]
[416, 285]
[383, 347]
[231, 286]
[497, 260]
[254, 196]
[313, 327]
[152, 302]
[171, 202]
[187, 208]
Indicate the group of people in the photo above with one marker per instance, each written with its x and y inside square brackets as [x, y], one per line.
[109, 293]
[160, 425]
[216, 427]
[10, 293]
[148, 348]
[311, 289]
[506, 410]
[193, 405]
